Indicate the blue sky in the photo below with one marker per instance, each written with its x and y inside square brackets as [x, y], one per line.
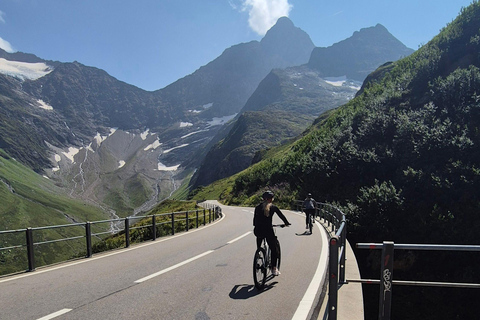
[152, 43]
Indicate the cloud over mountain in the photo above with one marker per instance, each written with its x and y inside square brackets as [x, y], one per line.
[263, 14]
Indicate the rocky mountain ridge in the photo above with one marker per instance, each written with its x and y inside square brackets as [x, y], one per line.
[55, 123]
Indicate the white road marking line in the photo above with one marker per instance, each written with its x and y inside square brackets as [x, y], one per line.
[309, 297]
[55, 314]
[173, 267]
[113, 253]
[236, 239]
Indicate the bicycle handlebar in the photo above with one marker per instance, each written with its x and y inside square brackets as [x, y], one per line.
[279, 225]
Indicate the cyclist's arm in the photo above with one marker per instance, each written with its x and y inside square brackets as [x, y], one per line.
[280, 214]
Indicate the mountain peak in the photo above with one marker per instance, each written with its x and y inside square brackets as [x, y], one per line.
[360, 54]
[288, 42]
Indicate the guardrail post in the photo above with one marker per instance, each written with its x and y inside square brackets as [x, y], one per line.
[386, 277]
[88, 237]
[173, 223]
[333, 279]
[154, 228]
[30, 254]
[197, 218]
[186, 219]
[209, 215]
[343, 258]
[204, 217]
[127, 232]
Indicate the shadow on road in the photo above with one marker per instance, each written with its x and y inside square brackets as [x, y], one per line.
[306, 233]
[246, 291]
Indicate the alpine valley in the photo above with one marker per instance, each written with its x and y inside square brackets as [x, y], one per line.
[72, 131]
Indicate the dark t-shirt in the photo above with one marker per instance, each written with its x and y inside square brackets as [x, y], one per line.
[264, 223]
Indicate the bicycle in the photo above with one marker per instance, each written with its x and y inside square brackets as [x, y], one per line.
[262, 264]
[311, 222]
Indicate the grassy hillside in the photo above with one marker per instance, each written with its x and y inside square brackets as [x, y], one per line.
[30, 200]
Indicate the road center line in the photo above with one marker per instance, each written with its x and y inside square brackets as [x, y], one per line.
[236, 239]
[173, 267]
[55, 314]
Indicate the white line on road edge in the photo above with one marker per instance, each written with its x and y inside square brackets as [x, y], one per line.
[55, 314]
[236, 239]
[309, 297]
[173, 267]
[112, 253]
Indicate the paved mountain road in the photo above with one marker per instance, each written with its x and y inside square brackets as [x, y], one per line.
[201, 274]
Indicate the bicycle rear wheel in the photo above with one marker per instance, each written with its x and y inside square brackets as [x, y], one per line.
[259, 268]
[311, 223]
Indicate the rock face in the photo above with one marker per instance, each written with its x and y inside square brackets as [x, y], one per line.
[122, 147]
[228, 81]
[287, 101]
[68, 120]
[359, 55]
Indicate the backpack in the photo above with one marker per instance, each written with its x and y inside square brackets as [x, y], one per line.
[309, 204]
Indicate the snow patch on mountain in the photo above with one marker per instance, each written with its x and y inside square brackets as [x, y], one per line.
[221, 121]
[162, 167]
[180, 146]
[153, 146]
[192, 133]
[144, 135]
[71, 153]
[43, 105]
[336, 81]
[185, 124]
[24, 70]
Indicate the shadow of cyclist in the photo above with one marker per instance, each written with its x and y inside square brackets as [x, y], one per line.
[246, 291]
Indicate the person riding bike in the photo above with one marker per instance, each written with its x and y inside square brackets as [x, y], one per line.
[309, 206]
[262, 222]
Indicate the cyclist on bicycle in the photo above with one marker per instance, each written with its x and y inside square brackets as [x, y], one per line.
[309, 206]
[262, 221]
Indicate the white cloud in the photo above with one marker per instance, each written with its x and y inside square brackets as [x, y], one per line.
[5, 45]
[263, 14]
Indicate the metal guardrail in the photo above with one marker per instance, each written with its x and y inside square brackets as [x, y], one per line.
[336, 224]
[387, 282]
[210, 213]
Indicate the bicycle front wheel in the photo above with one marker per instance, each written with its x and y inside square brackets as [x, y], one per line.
[259, 268]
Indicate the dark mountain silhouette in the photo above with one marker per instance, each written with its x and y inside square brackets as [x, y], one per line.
[289, 111]
[229, 80]
[285, 103]
[358, 55]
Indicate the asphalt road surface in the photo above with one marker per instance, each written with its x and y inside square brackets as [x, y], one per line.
[201, 274]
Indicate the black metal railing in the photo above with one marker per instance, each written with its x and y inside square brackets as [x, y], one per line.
[386, 281]
[335, 223]
[90, 230]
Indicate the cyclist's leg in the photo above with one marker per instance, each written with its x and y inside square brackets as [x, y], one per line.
[272, 243]
[307, 218]
[259, 242]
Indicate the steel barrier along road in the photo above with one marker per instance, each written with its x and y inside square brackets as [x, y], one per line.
[213, 212]
[386, 274]
[337, 226]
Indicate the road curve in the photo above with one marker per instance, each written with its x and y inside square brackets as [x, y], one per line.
[201, 274]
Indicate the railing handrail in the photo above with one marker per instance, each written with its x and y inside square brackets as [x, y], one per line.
[214, 212]
[386, 273]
